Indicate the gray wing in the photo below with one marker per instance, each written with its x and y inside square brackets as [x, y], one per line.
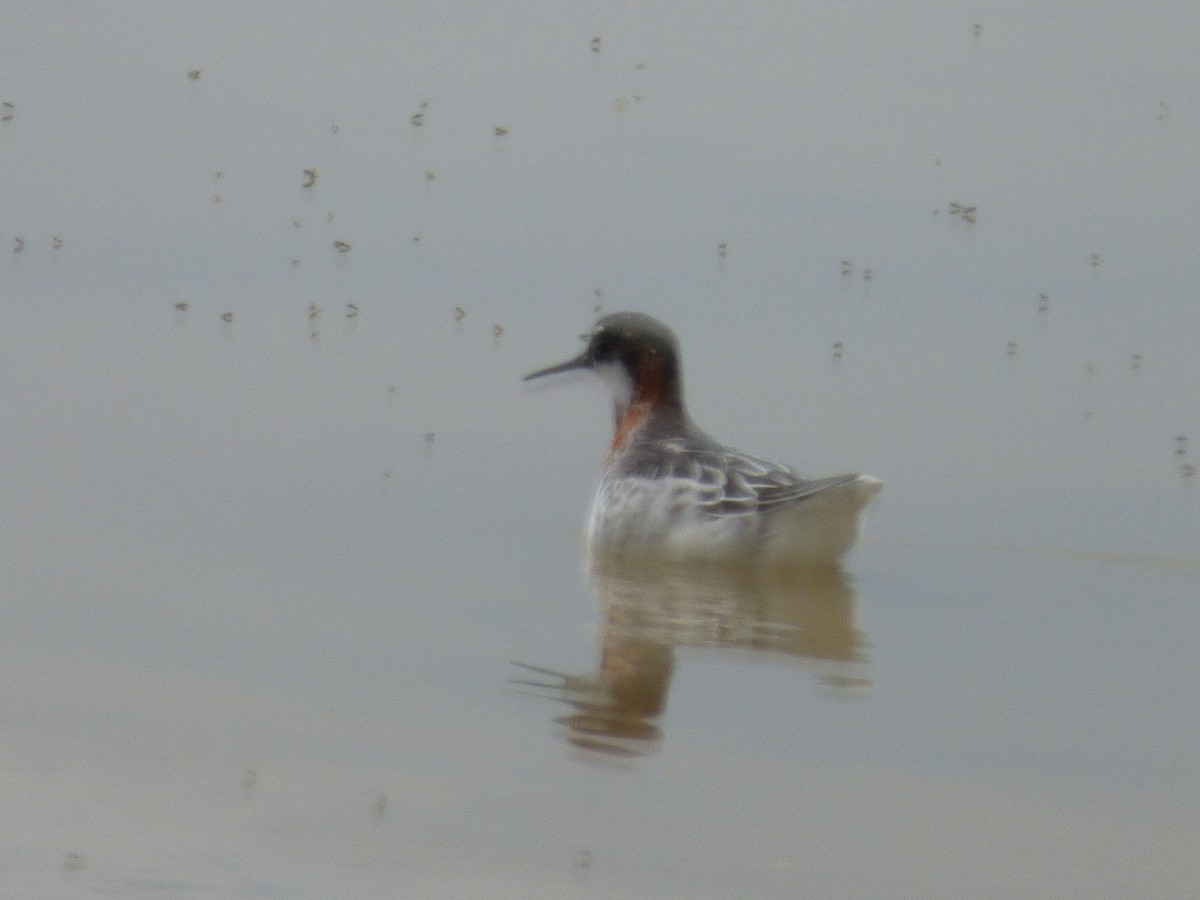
[731, 482]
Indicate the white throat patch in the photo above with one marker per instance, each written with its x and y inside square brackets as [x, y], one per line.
[620, 384]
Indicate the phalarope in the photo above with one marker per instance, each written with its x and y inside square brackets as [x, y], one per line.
[669, 489]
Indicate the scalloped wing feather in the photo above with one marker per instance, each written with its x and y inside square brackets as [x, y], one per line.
[731, 482]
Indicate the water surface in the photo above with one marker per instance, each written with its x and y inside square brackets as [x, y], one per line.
[266, 580]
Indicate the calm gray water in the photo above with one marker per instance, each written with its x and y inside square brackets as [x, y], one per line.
[265, 582]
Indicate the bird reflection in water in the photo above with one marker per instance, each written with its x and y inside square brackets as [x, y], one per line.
[650, 608]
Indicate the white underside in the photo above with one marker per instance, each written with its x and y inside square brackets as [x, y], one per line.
[662, 517]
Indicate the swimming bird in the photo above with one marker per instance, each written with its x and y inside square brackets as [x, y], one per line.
[668, 489]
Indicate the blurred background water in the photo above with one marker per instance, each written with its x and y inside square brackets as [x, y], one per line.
[278, 515]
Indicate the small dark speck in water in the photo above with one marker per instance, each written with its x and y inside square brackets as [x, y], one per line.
[72, 862]
[249, 780]
[583, 860]
[963, 211]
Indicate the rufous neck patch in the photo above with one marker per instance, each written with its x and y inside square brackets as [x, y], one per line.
[627, 424]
